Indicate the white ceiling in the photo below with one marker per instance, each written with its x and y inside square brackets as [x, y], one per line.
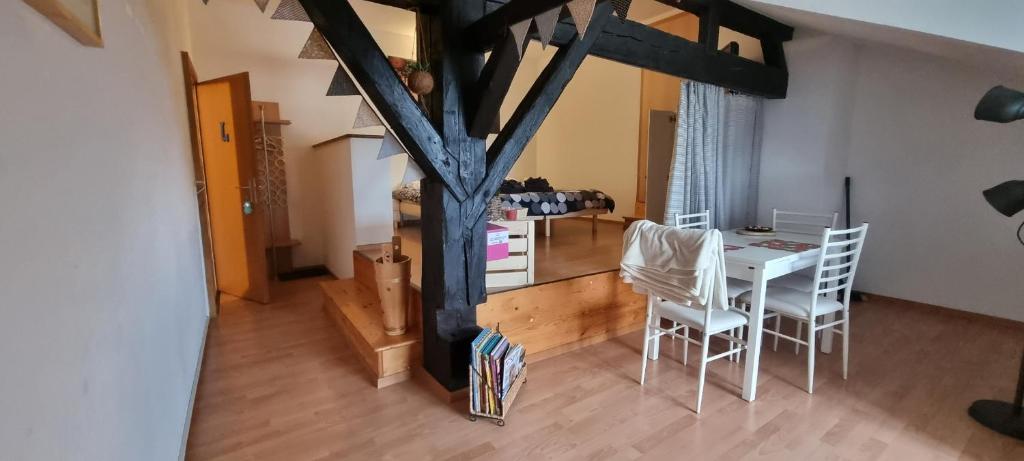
[971, 53]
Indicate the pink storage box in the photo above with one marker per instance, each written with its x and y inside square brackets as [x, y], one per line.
[497, 242]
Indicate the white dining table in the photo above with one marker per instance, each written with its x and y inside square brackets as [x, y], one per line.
[758, 265]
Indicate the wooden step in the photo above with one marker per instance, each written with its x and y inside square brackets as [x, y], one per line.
[355, 309]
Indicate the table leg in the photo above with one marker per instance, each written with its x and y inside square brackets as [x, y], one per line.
[826, 334]
[547, 227]
[754, 335]
[655, 347]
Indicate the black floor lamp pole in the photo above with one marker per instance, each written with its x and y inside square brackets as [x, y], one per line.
[1003, 105]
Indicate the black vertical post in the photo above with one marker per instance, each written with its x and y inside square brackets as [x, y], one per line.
[454, 251]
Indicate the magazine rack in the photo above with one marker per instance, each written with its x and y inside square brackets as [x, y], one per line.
[506, 402]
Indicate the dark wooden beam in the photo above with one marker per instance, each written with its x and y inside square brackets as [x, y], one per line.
[490, 91]
[538, 102]
[774, 55]
[489, 30]
[641, 46]
[349, 37]
[454, 243]
[417, 5]
[737, 18]
[708, 25]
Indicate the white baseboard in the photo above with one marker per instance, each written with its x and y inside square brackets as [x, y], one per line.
[192, 395]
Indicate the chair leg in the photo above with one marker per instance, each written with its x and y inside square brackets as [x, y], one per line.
[686, 345]
[732, 345]
[647, 340]
[810, 355]
[778, 322]
[846, 342]
[703, 368]
[799, 326]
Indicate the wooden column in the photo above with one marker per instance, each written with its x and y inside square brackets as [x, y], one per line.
[454, 245]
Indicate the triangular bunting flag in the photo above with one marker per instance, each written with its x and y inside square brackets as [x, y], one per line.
[262, 4]
[621, 8]
[206, 2]
[413, 172]
[581, 11]
[290, 10]
[366, 117]
[519, 32]
[342, 84]
[546, 25]
[389, 147]
[316, 47]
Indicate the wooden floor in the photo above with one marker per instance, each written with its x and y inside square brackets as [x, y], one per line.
[280, 383]
[572, 250]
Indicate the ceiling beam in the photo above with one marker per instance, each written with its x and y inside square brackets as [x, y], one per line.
[737, 18]
[421, 5]
[638, 45]
[489, 30]
[492, 87]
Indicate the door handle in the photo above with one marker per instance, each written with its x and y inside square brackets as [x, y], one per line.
[249, 199]
[224, 136]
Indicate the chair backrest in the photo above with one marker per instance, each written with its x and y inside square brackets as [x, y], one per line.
[802, 223]
[837, 263]
[700, 220]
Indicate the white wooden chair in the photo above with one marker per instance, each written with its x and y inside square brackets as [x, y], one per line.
[700, 220]
[710, 321]
[834, 273]
[735, 287]
[799, 222]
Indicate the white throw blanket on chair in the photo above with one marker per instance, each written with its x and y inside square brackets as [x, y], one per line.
[685, 266]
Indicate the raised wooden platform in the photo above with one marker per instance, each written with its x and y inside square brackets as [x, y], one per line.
[356, 310]
[548, 319]
[557, 317]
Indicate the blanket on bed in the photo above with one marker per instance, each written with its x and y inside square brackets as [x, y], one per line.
[537, 203]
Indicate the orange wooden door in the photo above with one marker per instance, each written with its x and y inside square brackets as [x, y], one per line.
[236, 219]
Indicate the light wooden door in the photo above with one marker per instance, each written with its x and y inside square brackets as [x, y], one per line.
[191, 81]
[660, 150]
[237, 221]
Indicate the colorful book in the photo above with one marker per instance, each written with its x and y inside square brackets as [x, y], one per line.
[474, 382]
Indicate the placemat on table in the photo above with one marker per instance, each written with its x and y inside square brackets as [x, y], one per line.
[785, 245]
[729, 248]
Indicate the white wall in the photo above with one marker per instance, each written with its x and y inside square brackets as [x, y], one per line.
[590, 138]
[900, 123]
[357, 206]
[232, 36]
[102, 298]
[806, 136]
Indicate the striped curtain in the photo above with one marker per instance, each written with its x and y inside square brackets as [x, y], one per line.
[717, 158]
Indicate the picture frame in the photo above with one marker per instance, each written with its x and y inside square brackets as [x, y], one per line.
[79, 18]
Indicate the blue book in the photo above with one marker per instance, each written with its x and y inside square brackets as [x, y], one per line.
[477, 343]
